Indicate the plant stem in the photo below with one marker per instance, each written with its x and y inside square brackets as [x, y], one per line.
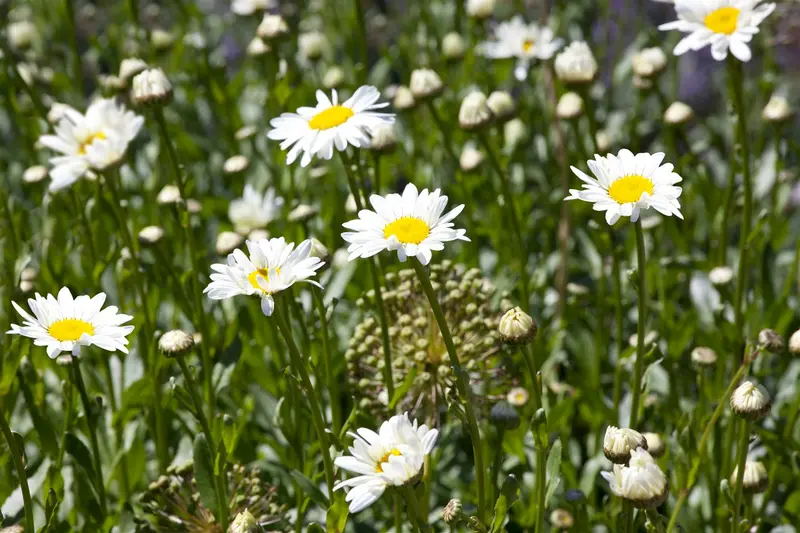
[191, 387]
[16, 454]
[316, 412]
[737, 83]
[90, 422]
[533, 369]
[541, 486]
[364, 45]
[461, 383]
[330, 374]
[655, 519]
[641, 267]
[76, 56]
[448, 142]
[741, 460]
[690, 480]
[420, 521]
[118, 433]
[515, 223]
[200, 316]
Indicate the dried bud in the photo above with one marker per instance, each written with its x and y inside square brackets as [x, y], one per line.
[619, 442]
[517, 327]
[750, 401]
[175, 342]
[770, 340]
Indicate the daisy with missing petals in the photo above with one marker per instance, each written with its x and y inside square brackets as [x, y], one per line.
[96, 140]
[626, 184]
[65, 324]
[254, 210]
[526, 42]
[394, 456]
[317, 130]
[412, 224]
[723, 24]
[274, 265]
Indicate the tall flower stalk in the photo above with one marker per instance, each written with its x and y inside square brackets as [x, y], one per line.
[19, 464]
[638, 370]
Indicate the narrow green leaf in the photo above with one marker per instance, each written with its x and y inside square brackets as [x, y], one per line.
[336, 519]
[50, 510]
[310, 488]
[78, 451]
[204, 473]
[553, 469]
[509, 494]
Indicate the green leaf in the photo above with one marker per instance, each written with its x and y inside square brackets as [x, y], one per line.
[509, 494]
[336, 519]
[204, 473]
[78, 451]
[315, 528]
[20, 442]
[553, 469]
[50, 510]
[310, 488]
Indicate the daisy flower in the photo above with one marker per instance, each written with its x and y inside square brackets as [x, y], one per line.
[723, 24]
[412, 224]
[65, 324]
[96, 140]
[316, 130]
[248, 7]
[626, 184]
[273, 266]
[254, 210]
[526, 42]
[393, 456]
[641, 482]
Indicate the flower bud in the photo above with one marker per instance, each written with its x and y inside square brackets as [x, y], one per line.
[403, 99]
[425, 83]
[130, 67]
[453, 512]
[751, 401]
[175, 342]
[479, 9]
[34, 174]
[470, 158]
[501, 105]
[312, 44]
[721, 275]
[794, 343]
[151, 87]
[777, 109]
[333, 77]
[504, 416]
[619, 442]
[272, 27]
[150, 235]
[575, 64]
[453, 46]
[770, 340]
[161, 39]
[245, 522]
[704, 356]
[641, 483]
[514, 132]
[474, 112]
[245, 132]
[569, 106]
[170, 194]
[755, 478]
[22, 34]
[678, 113]
[384, 139]
[649, 62]
[302, 213]
[655, 444]
[235, 164]
[257, 47]
[228, 241]
[517, 327]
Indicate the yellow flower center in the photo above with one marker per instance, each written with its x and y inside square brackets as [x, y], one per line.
[408, 230]
[722, 20]
[527, 45]
[69, 329]
[385, 459]
[630, 188]
[264, 273]
[330, 118]
[88, 141]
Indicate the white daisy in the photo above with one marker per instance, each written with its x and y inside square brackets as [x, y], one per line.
[641, 482]
[723, 24]
[274, 265]
[412, 224]
[96, 140]
[254, 210]
[316, 130]
[65, 324]
[393, 456]
[626, 184]
[526, 42]
[248, 7]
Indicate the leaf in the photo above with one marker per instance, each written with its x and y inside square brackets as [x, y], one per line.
[20, 442]
[553, 469]
[336, 519]
[78, 450]
[310, 488]
[509, 494]
[204, 473]
[315, 528]
[50, 510]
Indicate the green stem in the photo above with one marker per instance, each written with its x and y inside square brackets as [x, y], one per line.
[420, 521]
[741, 460]
[640, 330]
[737, 84]
[330, 374]
[690, 480]
[461, 384]
[362, 29]
[655, 519]
[316, 412]
[533, 369]
[16, 454]
[76, 55]
[448, 142]
[191, 387]
[515, 223]
[541, 486]
[123, 463]
[90, 422]
[630, 513]
[200, 315]
[87, 227]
